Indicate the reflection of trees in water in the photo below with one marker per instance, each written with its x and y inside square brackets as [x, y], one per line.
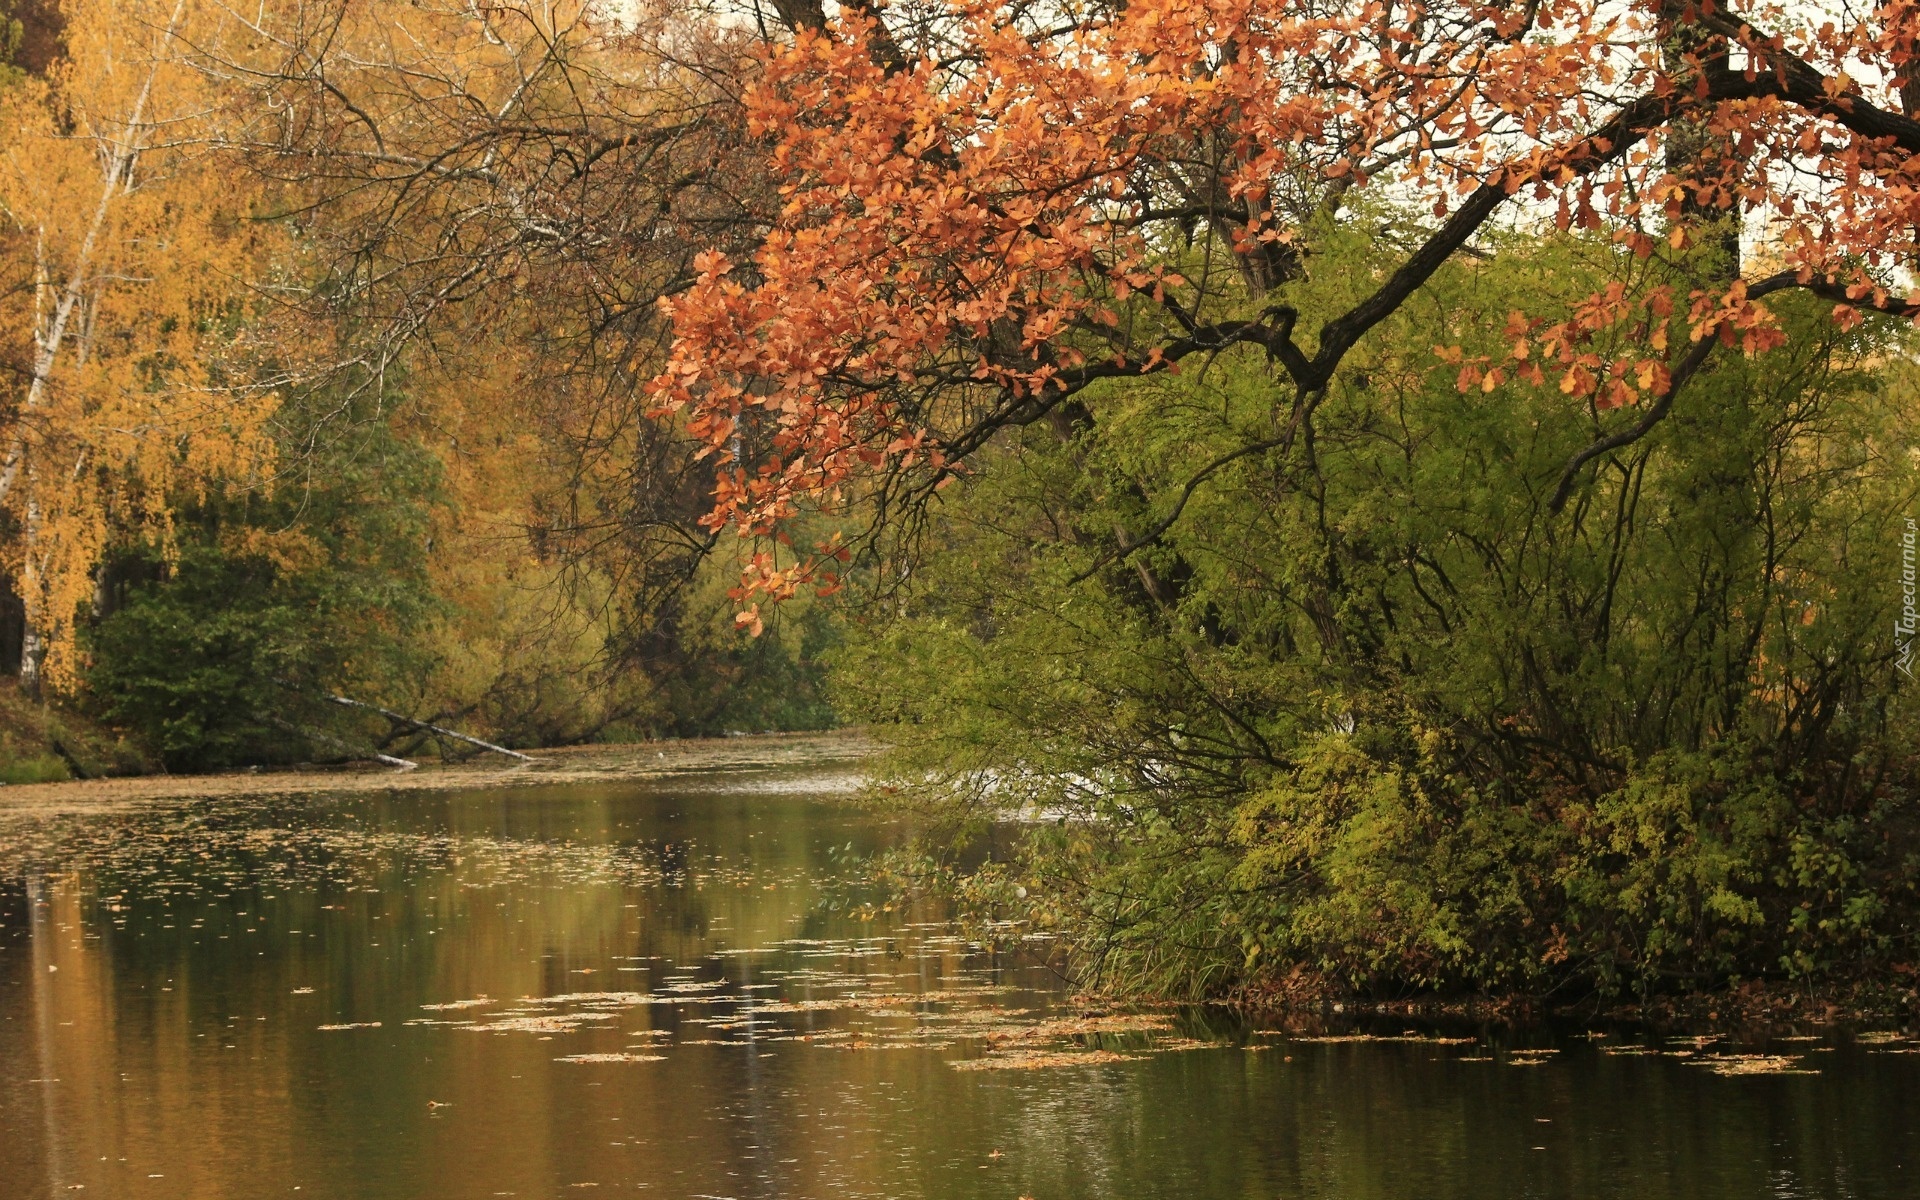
[146, 1074]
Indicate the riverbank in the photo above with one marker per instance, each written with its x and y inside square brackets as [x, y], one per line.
[565, 765]
[41, 743]
[1894, 997]
[1759, 1003]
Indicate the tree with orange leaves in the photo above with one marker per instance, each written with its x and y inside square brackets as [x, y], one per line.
[992, 208]
[1426, 473]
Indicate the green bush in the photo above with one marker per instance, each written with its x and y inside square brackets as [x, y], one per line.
[224, 652]
[1371, 709]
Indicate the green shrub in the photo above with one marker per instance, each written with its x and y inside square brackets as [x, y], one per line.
[224, 652]
[1400, 723]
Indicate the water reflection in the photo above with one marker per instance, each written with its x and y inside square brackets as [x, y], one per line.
[636, 989]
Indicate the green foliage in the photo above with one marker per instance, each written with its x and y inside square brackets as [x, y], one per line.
[12, 34]
[223, 652]
[725, 681]
[34, 768]
[1371, 709]
[221, 649]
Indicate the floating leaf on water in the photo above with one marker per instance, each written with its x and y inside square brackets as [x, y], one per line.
[1172, 1045]
[1752, 1064]
[1341, 1038]
[1035, 1060]
[1084, 1026]
[622, 998]
[557, 1023]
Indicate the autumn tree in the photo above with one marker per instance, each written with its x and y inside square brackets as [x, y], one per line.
[129, 252]
[990, 208]
[495, 198]
[1423, 475]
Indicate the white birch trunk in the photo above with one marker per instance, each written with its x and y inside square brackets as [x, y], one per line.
[49, 338]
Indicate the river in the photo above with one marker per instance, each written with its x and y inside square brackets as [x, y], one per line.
[652, 987]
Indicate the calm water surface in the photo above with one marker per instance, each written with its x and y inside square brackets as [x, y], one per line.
[643, 989]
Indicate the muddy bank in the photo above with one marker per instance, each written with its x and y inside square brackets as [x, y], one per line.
[573, 764]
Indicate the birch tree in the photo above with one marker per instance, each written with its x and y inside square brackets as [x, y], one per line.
[130, 249]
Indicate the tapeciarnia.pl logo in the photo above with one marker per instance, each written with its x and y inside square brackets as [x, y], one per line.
[1909, 619]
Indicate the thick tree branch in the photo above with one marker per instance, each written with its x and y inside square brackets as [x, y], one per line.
[1790, 78]
[1626, 128]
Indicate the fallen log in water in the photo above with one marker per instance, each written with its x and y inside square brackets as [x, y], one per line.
[414, 723]
[351, 751]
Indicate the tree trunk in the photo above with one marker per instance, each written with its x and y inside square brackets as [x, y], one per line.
[33, 642]
[1693, 150]
[33, 649]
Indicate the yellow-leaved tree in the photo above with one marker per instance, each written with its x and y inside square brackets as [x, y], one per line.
[128, 250]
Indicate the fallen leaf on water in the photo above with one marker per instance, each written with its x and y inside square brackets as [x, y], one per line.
[1034, 1060]
[1340, 1038]
[565, 1023]
[1752, 1064]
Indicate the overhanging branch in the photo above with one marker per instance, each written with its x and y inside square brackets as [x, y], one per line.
[1696, 358]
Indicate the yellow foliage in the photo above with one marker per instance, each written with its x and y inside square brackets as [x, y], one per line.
[524, 645]
[291, 551]
[131, 249]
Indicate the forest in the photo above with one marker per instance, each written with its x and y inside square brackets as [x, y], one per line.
[1382, 497]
